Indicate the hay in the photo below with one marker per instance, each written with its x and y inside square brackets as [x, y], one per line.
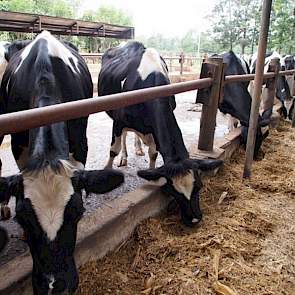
[245, 244]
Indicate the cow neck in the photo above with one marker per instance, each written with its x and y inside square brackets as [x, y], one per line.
[167, 135]
[48, 144]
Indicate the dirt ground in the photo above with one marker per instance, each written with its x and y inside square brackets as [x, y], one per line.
[99, 138]
[245, 244]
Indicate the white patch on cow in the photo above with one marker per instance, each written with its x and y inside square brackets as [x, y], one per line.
[7, 85]
[49, 193]
[266, 62]
[55, 49]
[151, 62]
[3, 62]
[264, 129]
[122, 83]
[184, 184]
[243, 63]
[51, 280]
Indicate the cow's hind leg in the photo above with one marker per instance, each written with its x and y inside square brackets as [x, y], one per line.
[152, 151]
[138, 147]
[115, 145]
[124, 154]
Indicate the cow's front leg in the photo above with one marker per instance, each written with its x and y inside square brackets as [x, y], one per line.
[153, 154]
[115, 145]
[124, 154]
[138, 147]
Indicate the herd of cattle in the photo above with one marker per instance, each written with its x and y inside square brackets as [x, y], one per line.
[51, 159]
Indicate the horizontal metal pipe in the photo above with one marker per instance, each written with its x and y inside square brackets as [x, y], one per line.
[286, 73]
[239, 78]
[246, 77]
[23, 120]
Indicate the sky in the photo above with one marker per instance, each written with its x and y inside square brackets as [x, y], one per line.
[171, 18]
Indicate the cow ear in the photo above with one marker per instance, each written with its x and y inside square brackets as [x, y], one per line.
[151, 174]
[98, 181]
[10, 186]
[206, 165]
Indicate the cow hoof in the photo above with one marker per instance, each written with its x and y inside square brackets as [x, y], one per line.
[123, 162]
[140, 153]
[5, 212]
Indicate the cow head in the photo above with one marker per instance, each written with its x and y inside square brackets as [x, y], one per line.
[183, 182]
[49, 206]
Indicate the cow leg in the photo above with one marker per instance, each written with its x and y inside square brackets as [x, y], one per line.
[124, 154]
[232, 123]
[138, 147]
[115, 146]
[291, 110]
[152, 151]
[4, 209]
[77, 139]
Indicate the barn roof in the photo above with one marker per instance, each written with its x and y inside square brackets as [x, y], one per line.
[34, 23]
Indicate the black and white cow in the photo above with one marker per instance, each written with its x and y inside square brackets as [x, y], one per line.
[288, 63]
[237, 100]
[130, 67]
[51, 159]
[282, 87]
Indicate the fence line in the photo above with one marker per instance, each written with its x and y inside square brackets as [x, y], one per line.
[174, 63]
[24, 120]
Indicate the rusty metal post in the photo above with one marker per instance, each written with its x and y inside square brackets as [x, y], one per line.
[270, 90]
[266, 8]
[209, 109]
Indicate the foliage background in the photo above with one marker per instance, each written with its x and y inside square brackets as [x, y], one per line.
[234, 25]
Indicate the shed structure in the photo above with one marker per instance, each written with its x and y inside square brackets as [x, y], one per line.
[34, 23]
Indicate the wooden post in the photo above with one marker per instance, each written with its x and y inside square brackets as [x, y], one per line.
[270, 90]
[266, 8]
[209, 109]
[181, 59]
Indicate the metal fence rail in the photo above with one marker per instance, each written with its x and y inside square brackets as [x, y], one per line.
[23, 120]
[214, 80]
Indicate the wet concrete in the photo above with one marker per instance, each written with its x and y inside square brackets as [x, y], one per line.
[99, 138]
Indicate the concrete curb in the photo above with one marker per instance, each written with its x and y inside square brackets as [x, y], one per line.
[110, 225]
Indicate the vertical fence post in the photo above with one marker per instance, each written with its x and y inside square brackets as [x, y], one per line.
[262, 44]
[181, 59]
[270, 90]
[209, 109]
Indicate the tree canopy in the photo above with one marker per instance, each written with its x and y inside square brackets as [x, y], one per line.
[234, 25]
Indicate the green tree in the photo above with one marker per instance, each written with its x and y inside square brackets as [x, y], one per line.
[106, 14]
[282, 31]
[237, 23]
